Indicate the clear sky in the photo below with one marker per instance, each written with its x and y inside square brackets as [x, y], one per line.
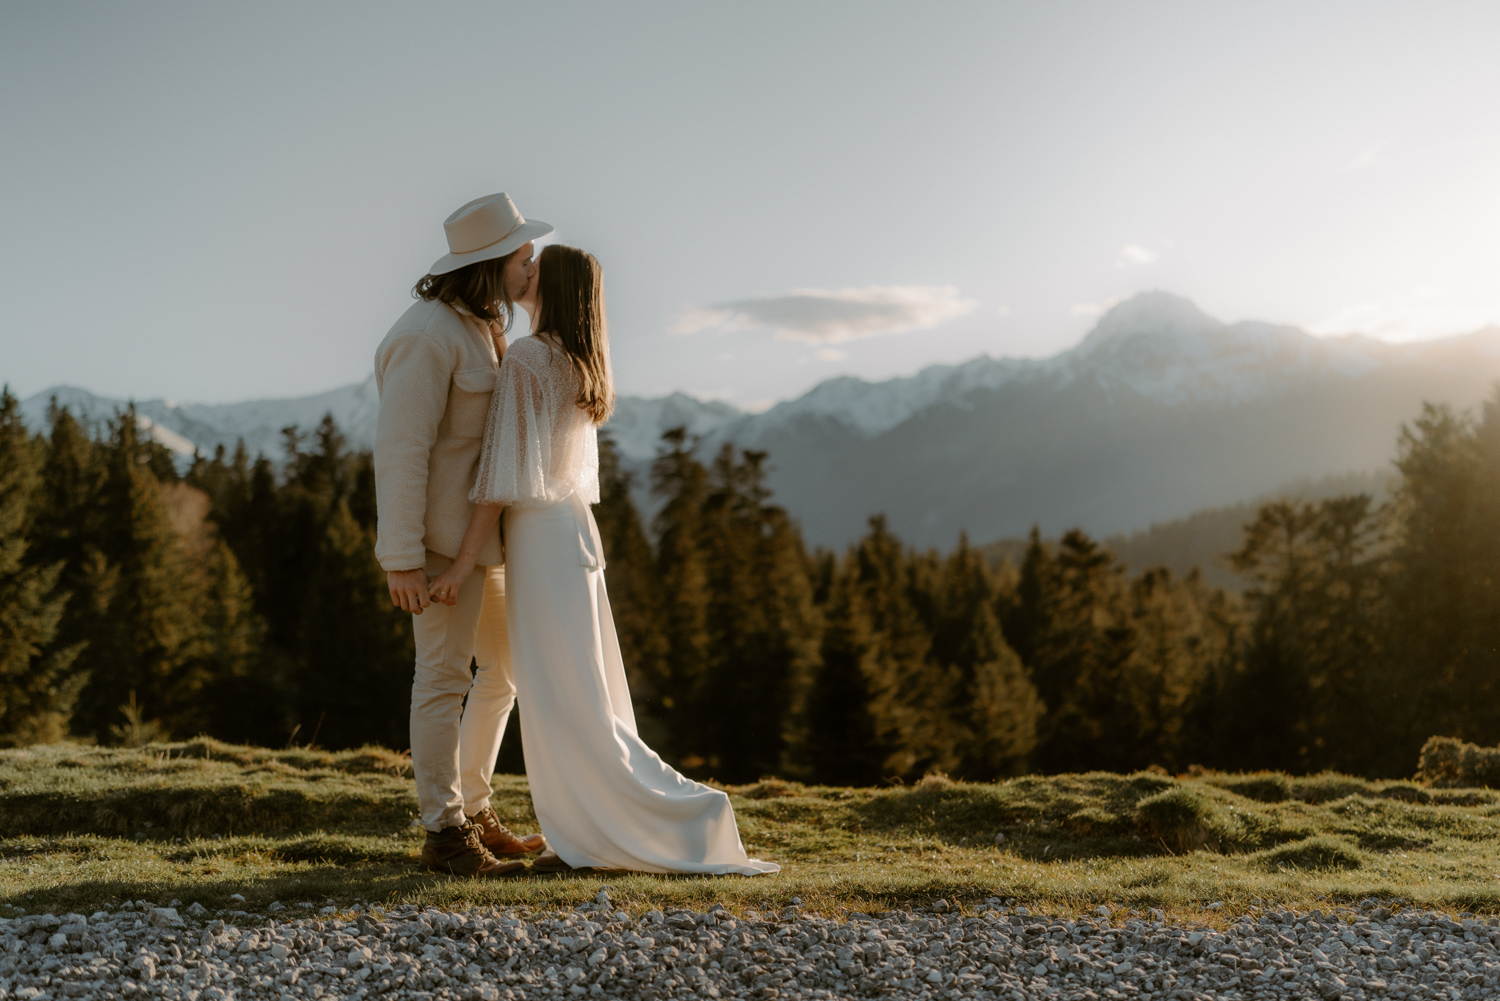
[214, 202]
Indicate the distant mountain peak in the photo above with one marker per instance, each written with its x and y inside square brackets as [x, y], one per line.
[1151, 314]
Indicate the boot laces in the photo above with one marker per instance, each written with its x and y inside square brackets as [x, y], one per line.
[493, 819]
[473, 841]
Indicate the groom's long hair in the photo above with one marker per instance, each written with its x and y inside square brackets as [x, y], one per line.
[480, 288]
[570, 284]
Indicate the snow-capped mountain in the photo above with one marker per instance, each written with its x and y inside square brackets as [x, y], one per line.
[204, 426]
[637, 423]
[1159, 411]
[1155, 345]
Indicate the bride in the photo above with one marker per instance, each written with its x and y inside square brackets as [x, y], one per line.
[603, 798]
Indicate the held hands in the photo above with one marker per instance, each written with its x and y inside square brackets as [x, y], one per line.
[408, 590]
[444, 587]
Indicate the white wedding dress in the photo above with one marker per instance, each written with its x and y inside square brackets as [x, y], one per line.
[603, 798]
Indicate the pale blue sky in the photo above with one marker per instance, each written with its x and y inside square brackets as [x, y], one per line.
[212, 203]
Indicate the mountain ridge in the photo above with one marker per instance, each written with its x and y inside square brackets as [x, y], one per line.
[1159, 411]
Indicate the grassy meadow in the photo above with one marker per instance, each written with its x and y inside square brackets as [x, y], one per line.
[84, 826]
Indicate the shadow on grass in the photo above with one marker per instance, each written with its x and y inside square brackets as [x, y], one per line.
[333, 849]
[372, 884]
[1041, 819]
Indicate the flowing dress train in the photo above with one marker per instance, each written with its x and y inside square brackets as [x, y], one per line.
[603, 798]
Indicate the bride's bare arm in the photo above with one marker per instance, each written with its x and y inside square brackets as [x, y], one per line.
[444, 586]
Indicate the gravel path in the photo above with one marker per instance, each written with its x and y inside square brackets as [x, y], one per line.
[142, 950]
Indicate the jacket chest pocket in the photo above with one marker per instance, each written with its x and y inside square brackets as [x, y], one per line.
[469, 401]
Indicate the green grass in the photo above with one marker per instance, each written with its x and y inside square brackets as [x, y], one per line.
[83, 826]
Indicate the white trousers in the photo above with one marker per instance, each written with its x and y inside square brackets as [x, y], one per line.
[454, 744]
[603, 798]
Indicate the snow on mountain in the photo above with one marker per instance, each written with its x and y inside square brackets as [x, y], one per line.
[637, 423]
[874, 408]
[1163, 347]
[1159, 411]
[868, 408]
[259, 423]
[1156, 345]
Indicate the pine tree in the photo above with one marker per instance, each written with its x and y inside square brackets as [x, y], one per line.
[1081, 645]
[233, 631]
[911, 697]
[306, 546]
[352, 633]
[634, 593]
[360, 476]
[1185, 640]
[797, 628]
[1022, 615]
[67, 531]
[761, 623]
[247, 694]
[1350, 667]
[843, 744]
[1003, 711]
[993, 707]
[294, 522]
[1442, 640]
[252, 694]
[680, 480]
[1482, 722]
[37, 688]
[1300, 700]
[147, 638]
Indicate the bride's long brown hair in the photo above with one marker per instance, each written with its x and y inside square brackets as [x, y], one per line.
[570, 286]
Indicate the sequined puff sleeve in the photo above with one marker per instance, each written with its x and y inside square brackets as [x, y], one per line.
[515, 462]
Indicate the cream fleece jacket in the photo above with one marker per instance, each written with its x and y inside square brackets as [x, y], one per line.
[435, 372]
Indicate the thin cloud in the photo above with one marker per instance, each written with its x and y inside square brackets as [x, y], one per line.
[833, 316]
[1133, 255]
[831, 354]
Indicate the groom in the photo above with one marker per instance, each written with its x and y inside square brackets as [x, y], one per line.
[435, 372]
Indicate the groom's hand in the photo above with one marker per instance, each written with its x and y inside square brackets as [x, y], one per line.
[408, 590]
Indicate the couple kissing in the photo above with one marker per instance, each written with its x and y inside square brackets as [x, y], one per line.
[486, 464]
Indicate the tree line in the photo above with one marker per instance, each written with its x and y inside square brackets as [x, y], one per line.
[240, 598]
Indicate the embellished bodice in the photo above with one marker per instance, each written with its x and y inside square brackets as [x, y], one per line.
[539, 444]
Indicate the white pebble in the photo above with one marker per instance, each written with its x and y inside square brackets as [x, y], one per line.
[165, 917]
[487, 954]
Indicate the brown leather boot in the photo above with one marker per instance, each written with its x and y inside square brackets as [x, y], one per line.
[501, 840]
[458, 851]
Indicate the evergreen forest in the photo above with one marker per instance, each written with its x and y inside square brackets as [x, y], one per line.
[240, 598]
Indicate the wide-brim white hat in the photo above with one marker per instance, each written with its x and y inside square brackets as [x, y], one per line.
[483, 230]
